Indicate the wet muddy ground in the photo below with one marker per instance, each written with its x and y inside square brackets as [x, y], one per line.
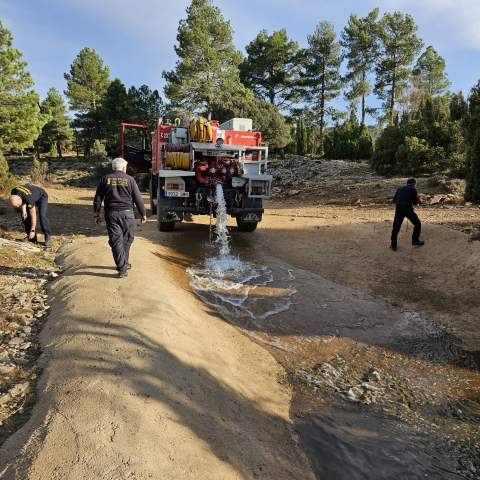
[380, 390]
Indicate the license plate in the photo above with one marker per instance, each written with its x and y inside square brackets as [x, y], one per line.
[177, 194]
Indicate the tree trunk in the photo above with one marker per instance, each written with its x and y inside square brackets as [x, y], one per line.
[322, 113]
[394, 84]
[392, 98]
[59, 149]
[271, 96]
[363, 99]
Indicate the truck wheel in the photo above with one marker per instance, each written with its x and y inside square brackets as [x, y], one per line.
[246, 226]
[153, 194]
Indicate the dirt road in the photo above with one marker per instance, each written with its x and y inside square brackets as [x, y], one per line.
[143, 380]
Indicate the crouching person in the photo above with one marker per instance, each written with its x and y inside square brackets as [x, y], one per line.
[32, 201]
[119, 192]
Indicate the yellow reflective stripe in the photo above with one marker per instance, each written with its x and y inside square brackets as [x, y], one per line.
[24, 190]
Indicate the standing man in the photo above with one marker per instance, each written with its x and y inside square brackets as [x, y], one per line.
[33, 202]
[120, 192]
[405, 199]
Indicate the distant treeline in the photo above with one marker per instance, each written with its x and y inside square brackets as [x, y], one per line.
[288, 91]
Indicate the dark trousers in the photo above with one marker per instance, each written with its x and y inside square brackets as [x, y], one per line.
[400, 215]
[120, 228]
[42, 211]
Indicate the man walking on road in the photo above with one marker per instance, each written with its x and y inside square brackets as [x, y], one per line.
[405, 199]
[33, 202]
[119, 191]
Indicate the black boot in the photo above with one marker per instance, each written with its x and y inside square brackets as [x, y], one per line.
[418, 243]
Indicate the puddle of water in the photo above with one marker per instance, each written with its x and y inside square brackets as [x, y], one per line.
[239, 290]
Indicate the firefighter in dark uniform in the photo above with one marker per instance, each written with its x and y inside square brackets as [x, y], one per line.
[405, 199]
[33, 203]
[119, 192]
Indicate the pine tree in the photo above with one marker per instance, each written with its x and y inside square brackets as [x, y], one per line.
[430, 72]
[115, 108]
[56, 133]
[472, 192]
[272, 67]
[321, 76]
[146, 105]
[206, 74]
[20, 117]
[398, 47]
[360, 42]
[87, 81]
[458, 106]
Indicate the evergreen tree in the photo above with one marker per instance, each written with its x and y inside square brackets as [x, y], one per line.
[272, 67]
[301, 137]
[398, 47]
[265, 118]
[360, 42]
[206, 74]
[87, 84]
[472, 192]
[321, 76]
[458, 106]
[146, 105]
[20, 117]
[349, 140]
[56, 133]
[87, 81]
[115, 108]
[430, 72]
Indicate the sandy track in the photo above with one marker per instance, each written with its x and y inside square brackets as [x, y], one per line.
[140, 382]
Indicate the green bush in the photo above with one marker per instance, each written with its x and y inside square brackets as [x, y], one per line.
[7, 180]
[39, 171]
[98, 152]
[415, 156]
[348, 140]
[384, 159]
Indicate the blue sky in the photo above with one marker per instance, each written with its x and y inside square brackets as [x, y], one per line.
[137, 42]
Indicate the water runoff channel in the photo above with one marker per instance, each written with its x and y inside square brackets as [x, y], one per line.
[399, 407]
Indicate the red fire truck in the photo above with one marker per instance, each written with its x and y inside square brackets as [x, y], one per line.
[187, 161]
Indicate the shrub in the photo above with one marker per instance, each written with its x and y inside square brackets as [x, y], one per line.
[415, 156]
[384, 159]
[7, 180]
[98, 152]
[39, 171]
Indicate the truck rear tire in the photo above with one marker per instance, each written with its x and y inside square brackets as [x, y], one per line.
[246, 226]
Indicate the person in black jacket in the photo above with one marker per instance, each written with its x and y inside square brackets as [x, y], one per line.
[33, 203]
[119, 192]
[405, 199]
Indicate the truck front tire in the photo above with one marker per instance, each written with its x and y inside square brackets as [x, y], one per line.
[246, 226]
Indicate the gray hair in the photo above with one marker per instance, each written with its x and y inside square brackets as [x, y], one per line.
[119, 163]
